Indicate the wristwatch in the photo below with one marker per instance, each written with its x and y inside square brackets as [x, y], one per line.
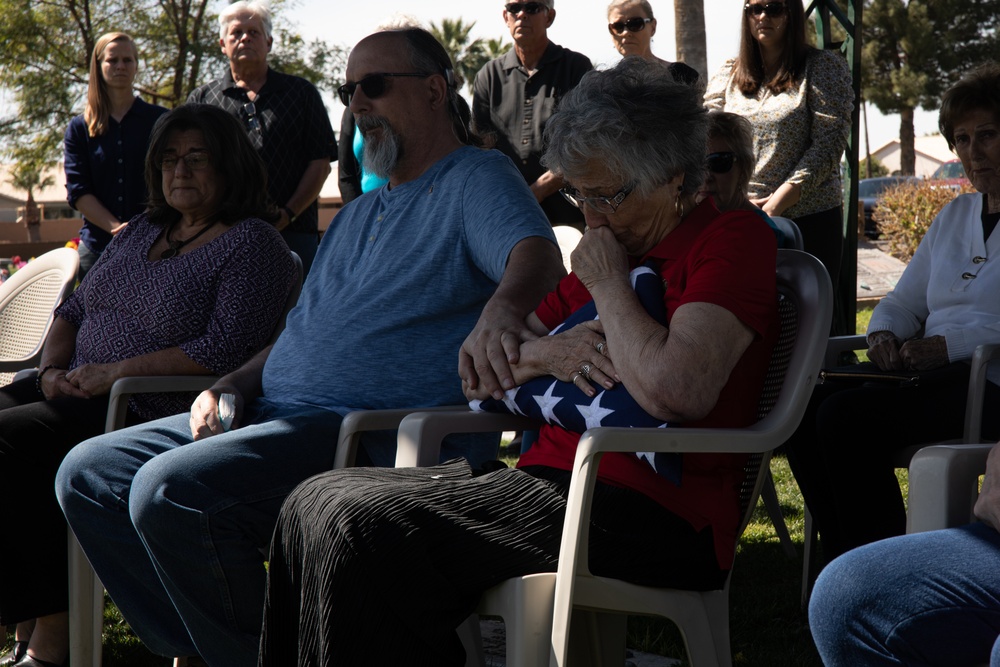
[290, 213]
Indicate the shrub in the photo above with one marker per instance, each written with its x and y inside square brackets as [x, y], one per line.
[905, 211]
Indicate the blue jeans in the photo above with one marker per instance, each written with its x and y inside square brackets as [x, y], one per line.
[925, 599]
[175, 529]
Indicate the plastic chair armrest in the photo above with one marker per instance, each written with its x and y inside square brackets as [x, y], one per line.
[944, 484]
[358, 422]
[837, 345]
[421, 433]
[123, 388]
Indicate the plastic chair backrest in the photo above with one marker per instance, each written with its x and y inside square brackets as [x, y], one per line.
[793, 235]
[27, 302]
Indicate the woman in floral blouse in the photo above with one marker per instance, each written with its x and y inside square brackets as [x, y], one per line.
[799, 100]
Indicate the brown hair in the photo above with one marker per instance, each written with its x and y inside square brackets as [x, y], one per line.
[231, 156]
[979, 89]
[98, 102]
[748, 72]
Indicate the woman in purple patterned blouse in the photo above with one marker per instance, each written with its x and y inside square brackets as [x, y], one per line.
[195, 285]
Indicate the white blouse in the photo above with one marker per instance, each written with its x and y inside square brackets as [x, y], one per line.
[799, 135]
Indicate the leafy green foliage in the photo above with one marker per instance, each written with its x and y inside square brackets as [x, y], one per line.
[467, 56]
[47, 47]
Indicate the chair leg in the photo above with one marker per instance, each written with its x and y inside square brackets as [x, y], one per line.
[472, 640]
[770, 497]
[86, 608]
[808, 572]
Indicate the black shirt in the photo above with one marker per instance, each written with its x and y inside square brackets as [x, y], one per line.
[294, 130]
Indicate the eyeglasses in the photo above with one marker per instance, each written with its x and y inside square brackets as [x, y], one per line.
[636, 24]
[373, 85]
[720, 163]
[515, 8]
[600, 204]
[195, 161]
[250, 109]
[771, 9]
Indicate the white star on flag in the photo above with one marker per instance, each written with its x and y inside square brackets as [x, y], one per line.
[547, 402]
[594, 414]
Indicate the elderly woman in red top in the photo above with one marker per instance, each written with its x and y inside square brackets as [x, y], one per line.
[360, 553]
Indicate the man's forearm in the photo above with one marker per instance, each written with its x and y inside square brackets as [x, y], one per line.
[248, 378]
[533, 270]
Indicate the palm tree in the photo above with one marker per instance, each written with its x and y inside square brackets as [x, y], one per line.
[689, 30]
[468, 56]
[27, 175]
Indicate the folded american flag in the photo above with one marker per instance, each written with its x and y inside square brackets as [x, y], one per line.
[563, 404]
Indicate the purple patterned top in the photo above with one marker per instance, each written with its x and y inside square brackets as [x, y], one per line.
[219, 303]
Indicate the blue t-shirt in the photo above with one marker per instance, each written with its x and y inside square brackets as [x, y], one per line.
[399, 281]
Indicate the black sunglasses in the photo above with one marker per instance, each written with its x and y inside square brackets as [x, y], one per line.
[720, 163]
[772, 9]
[515, 8]
[636, 24]
[250, 109]
[373, 85]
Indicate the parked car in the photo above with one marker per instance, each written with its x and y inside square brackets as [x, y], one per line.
[950, 174]
[869, 191]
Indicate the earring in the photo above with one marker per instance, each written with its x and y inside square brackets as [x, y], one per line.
[678, 204]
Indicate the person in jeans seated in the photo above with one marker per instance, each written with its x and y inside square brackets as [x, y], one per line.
[359, 555]
[173, 515]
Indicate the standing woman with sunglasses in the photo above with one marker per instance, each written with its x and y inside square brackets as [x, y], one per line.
[632, 26]
[799, 101]
[105, 147]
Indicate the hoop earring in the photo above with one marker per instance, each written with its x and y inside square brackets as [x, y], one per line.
[679, 205]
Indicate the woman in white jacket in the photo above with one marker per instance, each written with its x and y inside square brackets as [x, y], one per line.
[947, 302]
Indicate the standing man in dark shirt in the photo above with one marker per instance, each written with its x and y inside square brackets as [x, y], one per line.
[284, 117]
[516, 94]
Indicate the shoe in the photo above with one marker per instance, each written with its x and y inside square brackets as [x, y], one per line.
[28, 661]
[12, 656]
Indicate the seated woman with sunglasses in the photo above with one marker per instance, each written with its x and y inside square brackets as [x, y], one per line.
[627, 23]
[630, 143]
[193, 286]
[799, 101]
[729, 166]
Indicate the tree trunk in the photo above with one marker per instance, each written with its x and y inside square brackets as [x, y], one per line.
[689, 30]
[907, 155]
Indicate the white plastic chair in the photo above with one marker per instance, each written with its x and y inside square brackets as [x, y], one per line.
[972, 434]
[567, 237]
[27, 302]
[86, 592]
[573, 593]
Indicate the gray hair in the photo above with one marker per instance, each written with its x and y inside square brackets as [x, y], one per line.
[646, 7]
[637, 121]
[259, 8]
[738, 133]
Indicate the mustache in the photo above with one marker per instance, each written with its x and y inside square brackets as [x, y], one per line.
[369, 122]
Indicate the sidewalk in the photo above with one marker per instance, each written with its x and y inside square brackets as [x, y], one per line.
[878, 271]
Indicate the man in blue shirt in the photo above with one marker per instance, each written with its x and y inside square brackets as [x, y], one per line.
[172, 514]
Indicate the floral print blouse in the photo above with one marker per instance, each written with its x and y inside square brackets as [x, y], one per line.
[799, 135]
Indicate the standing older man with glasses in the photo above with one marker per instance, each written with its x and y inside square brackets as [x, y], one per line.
[284, 117]
[517, 93]
[172, 514]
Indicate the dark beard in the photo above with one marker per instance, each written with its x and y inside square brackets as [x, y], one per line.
[382, 150]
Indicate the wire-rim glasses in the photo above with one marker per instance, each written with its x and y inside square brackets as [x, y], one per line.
[195, 161]
[605, 205]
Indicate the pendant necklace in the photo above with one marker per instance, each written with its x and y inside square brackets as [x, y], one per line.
[175, 246]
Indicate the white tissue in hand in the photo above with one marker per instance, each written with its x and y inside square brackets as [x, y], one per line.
[227, 410]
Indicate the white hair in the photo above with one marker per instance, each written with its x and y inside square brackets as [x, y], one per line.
[259, 8]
